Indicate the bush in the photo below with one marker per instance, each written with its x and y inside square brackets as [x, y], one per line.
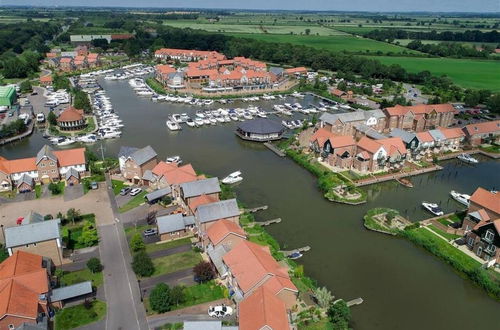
[203, 272]
[142, 264]
[340, 315]
[160, 298]
[136, 243]
[177, 295]
[89, 235]
[25, 86]
[54, 188]
[94, 265]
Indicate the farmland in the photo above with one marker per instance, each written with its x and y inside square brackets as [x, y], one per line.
[464, 72]
[347, 43]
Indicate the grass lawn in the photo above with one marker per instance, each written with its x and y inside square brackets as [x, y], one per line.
[80, 276]
[167, 245]
[134, 202]
[76, 316]
[117, 186]
[493, 148]
[467, 73]
[320, 325]
[348, 43]
[175, 262]
[129, 231]
[443, 233]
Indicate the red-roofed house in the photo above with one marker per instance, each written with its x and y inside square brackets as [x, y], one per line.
[375, 155]
[487, 132]
[453, 137]
[299, 71]
[71, 119]
[421, 117]
[46, 80]
[225, 232]
[263, 311]
[251, 266]
[337, 150]
[162, 72]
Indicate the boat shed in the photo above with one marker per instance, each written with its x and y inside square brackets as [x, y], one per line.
[7, 96]
[260, 130]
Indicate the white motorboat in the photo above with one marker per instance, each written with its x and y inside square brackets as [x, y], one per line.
[467, 158]
[66, 142]
[461, 198]
[212, 120]
[190, 122]
[199, 122]
[176, 118]
[88, 138]
[207, 121]
[174, 159]
[173, 126]
[433, 208]
[232, 178]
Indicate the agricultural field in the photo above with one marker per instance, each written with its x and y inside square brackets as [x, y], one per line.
[347, 43]
[467, 73]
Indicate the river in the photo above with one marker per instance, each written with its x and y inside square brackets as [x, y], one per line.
[403, 286]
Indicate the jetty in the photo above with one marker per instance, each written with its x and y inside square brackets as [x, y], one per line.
[396, 176]
[274, 149]
[270, 222]
[28, 132]
[256, 209]
[354, 302]
[302, 249]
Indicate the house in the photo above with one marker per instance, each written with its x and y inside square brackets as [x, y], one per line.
[481, 133]
[453, 138]
[484, 240]
[375, 155]
[251, 266]
[296, 72]
[174, 226]
[36, 235]
[46, 80]
[225, 232]
[264, 311]
[421, 117]
[157, 195]
[135, 162]
[484, 205]
[337, 150]
[345, 123]
[410, 139]
[426, 141]
[187, 55]
[162, 71]
[210, 188]
[171, 175]
[71, 119]
[207, 214]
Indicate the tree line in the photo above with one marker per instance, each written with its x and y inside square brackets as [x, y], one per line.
[469, 35]
[449, 49]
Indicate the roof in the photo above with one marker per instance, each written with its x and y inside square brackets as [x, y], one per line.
[353, 116]
[165, 69]
[201, 200]
[261, 126]
[425, 137]
[126, 151]
[341, 141]
[393, 144]
[263, 310]
[216, 254]
[72, 173]
[368, 131]
[483, 128]
[406, 136]
[337, 92]
[218, 210]
[173, 222]
[276, 70]
[200, 187]
[300, 69]
[70, 157]
[486, 199]
[33, 217]
[70, 114]
[250, 263]
[207, 325]
[47, 78]
[480, 214]
[158, 194]
[222, 228]
[71, 291]
[437, 135]
[32, 233]
[25, 179]
[400, 110]
[45, 152]
[452, 133]
[321, 136]
[141, 156]
[22, 280]
[369, 145]
[180, 174]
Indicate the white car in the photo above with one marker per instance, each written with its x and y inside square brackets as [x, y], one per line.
[220, 311]
[135, 191]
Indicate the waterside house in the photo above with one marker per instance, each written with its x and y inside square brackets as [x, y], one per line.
[135, 162]
[260, 130]
[421, 117]
[480, 133]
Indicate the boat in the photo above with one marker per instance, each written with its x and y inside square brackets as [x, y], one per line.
[173, 126]
[66, 142]
[295, 255]
[461, 198]
[174, 159]
[199, 122]
[405, 182]
[190, 122]
[232, 178]
[88, 138]
[467, 158]
[433, 208]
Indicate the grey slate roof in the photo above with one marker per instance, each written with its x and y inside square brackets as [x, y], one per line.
[71, 291]
[32, 233]
[25, 179]
[370, 132]
[46, 151]
[216, 255]
[407, 137]
[158, 194]
[126, 151]
[276, 70]
[261, 126]
[437, 135]
[200, 187]
[218, 210]
[143, 155]
[148, 176]
[173, 222]
[351, 116]
[72, 172]
[175, 74]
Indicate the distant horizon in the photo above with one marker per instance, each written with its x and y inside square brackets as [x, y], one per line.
[364, 6]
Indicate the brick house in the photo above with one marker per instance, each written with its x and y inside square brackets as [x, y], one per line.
[192, 192]
[421, 117]
[225, 232]
[162, 72]
[135, 162]
[175, 226]
[376, 155]
[483, 206]
[487, 132]
[338, 151]
[345, 123]
[207, 214]
[170, 175]
[484, 240]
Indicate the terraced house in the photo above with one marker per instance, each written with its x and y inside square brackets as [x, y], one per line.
[421, 117]
[48, 166]
[134, 163]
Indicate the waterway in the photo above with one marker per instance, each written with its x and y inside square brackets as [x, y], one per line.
[403, 286]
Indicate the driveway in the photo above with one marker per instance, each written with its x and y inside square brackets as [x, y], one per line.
[24, 197]
[184, 277]
[73, 192]
[169, 252]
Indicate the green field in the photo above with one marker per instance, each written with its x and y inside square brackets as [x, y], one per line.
[464, 72]
[346, 43]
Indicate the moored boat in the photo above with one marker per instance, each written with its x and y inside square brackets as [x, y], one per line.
[232, 178]
[461, 198]
[405, 182]
[433, 208]
[467, 158]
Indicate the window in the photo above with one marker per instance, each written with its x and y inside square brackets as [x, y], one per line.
[489, 235]
[470, 242]
[11, 326]
[42, 165]
[479, 251]
[53, 171]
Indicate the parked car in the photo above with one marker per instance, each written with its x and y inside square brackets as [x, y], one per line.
[125, 191]
[150, 232]
[34, 93]
[220, 311]
[94, 185]
[135, 191]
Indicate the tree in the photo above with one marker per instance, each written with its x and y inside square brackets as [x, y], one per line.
[81, 101]
[89, 235]
[52, 118]
[203, 272]
[160, 298]
[308, 32]
[339, 315]
[25, 86]
[142, 264]
[48, 217]
[177, 295]
[493, 103]
[323, 296]
[136, 243]
[94, 265]
[73, 215]
[54, 188]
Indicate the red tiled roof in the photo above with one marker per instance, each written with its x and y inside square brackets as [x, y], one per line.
[483, 128]
[47, 78]
[369, 145]
[66, 60]
[165, 69]
[221, 228]
[70, 114]
[425, 137]
[337, 92]
[452, 133]
[392, 145]
[263, 310]
[175, 174]
[486, 199]
[70, 157]
[400, 110]
[321, 135]
[201, 200]
[296, 70]
[340, 141]
[20, 165]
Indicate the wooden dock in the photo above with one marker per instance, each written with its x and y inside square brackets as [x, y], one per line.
[270, 222]
[396, 176]
[354, 302]
[274, 149]
[302, 249]
[256, 209]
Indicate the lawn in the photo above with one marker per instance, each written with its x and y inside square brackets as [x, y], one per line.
[134, 202]
[77, 316]
[319, 325]
[443, 233]
[467, 73]
[117, 186]
[175, 262]
[129, 231]
[338, 43]
[491, 148]
[167, 245]
[80, 276]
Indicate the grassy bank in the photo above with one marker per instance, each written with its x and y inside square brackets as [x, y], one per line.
[156, 85]
[371, 223]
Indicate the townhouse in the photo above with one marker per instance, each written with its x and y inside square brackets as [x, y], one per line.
[187, 55]
[200, 192]
[48, 166]
[169, 76]
[135, 162]
[70, 61]
[207, 214]
[481, 133]
[175, 226]
[347, 123]
[421, 117]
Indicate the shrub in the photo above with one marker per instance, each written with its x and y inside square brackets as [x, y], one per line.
[339, 314]
[94, 265]
[323, 296]
[48, 217]
[89, 235]
[203, 272]
[160, 298]
[54, 188]
[142, 264]
[136, 243]
[177, 295]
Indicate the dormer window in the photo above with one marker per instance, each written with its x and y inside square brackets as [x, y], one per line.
[489, 235]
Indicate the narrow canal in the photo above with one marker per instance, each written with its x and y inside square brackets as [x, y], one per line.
[402, 285]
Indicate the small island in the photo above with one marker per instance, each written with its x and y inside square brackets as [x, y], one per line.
[385, 220]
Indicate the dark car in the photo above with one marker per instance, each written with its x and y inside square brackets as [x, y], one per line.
[150, 232]
[125, 191]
